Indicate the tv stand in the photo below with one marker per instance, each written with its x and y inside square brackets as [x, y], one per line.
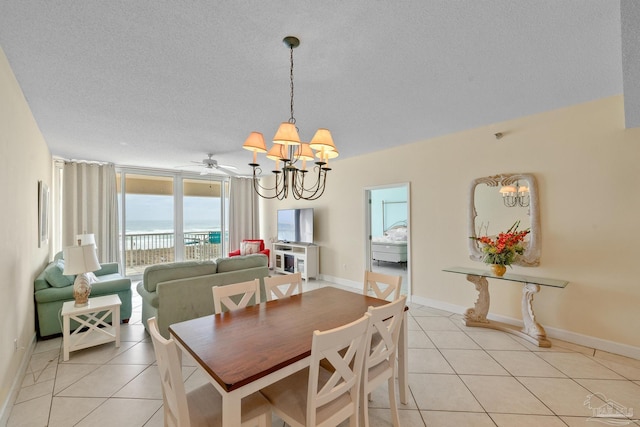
[296, 257]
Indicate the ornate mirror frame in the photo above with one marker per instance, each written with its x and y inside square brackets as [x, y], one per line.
[531, 255]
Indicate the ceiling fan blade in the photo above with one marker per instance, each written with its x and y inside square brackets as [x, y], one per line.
[233, 168]
[211, 171]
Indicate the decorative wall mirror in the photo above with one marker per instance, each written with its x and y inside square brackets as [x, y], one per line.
[496, 203]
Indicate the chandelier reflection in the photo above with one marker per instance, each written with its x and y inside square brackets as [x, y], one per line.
[515, 195]
[291, 173]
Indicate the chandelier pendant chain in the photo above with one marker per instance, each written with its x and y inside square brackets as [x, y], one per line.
[291, 119]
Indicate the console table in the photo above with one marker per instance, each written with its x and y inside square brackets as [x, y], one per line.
[477, 316]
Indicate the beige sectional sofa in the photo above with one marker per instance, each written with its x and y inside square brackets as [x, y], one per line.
[180, 291]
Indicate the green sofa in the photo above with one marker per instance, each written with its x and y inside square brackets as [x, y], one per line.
[180, 291]
[52, 289]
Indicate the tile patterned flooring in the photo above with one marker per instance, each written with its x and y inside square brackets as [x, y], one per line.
[459, 376]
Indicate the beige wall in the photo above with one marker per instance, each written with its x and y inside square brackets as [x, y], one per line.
[586, 165]
[24, 160]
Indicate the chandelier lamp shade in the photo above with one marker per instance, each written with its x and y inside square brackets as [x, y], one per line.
[291, 173]
[515, 195]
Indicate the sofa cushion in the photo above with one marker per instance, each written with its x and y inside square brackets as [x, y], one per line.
[53, 275]
[108, 277]
[175, 270]
[241, 262]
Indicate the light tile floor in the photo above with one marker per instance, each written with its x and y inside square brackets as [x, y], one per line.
[459, 376]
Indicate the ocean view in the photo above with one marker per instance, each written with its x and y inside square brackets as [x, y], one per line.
[166, 226]
[158, 234]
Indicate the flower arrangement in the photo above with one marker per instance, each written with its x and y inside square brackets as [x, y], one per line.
[503, 249]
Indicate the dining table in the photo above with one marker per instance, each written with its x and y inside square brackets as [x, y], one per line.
[245, 350]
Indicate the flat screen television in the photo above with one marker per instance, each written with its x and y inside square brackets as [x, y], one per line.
[295, 225]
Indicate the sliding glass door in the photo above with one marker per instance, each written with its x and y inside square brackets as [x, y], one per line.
[166, 217]
[202, 219]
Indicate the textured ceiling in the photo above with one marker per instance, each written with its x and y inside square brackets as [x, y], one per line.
[160, 83]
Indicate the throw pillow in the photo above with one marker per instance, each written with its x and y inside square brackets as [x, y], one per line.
[53, 275]
[248, 248]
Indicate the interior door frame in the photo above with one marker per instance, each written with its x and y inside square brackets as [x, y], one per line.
[367, 228]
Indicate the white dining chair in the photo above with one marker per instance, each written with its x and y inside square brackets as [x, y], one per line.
[317, 397]
[380, 358]
[282, 286]
[202, 406]
[382, 285]
[244, 291]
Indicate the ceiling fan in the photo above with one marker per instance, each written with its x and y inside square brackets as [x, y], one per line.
[211, 166]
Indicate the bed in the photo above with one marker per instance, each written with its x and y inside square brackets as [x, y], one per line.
[392, 245]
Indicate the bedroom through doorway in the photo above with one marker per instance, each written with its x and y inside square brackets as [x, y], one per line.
[388, 232]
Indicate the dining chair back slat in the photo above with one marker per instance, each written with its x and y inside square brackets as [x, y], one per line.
[282, 286]
[382, 285]
[244, 291]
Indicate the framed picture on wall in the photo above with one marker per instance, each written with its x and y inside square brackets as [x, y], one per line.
[43, 214]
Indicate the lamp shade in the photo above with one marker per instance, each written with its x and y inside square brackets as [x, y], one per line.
[277, 152]
[86, 239]
[327, 154]
[322, 140]
[255, 142]
[304, 152]
[80, 259]
[287, 134]
[506, 189]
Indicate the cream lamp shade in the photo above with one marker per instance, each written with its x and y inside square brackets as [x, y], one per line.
[322, 140]
[505, 190]
[86, 239]
[287, 134]
[327, 154]
[255, 143]
[304, 152]
[81, 260]
[277, 152]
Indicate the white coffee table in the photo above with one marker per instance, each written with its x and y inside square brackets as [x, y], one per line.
[93, 329]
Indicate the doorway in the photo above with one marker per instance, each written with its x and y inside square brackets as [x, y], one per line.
[388, 232]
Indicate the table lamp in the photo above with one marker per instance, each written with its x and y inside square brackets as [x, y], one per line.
[81, 260]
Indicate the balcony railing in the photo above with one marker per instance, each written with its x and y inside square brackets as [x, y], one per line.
[145, 249]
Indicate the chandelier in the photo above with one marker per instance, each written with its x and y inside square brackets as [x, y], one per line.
[515, 195]
[293, 176]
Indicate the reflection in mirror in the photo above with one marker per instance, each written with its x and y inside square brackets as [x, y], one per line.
[496, 203]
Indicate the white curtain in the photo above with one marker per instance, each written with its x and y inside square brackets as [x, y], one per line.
[244, 219]
[90, 205]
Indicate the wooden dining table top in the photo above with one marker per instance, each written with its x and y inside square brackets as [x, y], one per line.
[239, 347]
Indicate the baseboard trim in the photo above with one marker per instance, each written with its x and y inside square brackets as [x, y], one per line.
[561, 334]
[7, 405]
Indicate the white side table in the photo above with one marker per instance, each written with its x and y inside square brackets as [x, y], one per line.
[93, 329]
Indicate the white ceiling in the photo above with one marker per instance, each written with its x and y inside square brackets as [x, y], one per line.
[160, 83]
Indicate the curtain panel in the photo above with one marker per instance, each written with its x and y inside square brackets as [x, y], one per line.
[244, 218]
[90, 205]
